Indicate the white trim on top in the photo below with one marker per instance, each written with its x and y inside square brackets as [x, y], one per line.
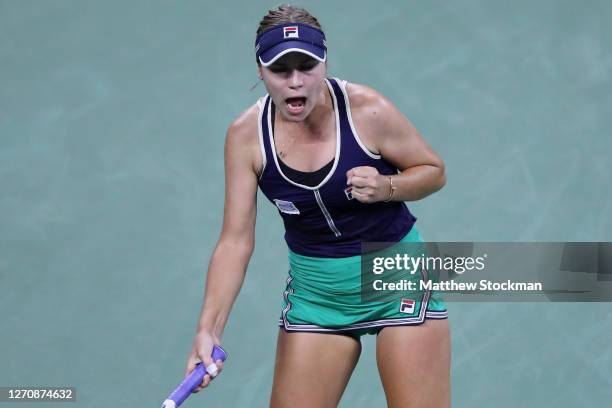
[260, 131]
[336, 157]
[367, 151]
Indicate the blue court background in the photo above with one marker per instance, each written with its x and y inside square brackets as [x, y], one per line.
[112, 122]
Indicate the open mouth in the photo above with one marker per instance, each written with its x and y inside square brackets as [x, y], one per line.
[295, 105]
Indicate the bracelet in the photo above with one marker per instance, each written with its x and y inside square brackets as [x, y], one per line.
[391, 190]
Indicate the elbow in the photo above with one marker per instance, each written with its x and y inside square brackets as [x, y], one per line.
[237, 247]
[440, 178]
[245, 248]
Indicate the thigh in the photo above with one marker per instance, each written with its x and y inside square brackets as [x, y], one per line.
[414, 364]
[312, 369]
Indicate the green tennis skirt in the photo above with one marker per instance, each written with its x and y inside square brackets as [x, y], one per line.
[325, 295]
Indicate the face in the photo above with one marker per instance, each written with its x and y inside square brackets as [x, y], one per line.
[294, 83]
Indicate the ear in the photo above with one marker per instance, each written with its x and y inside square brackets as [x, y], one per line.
[259, 73]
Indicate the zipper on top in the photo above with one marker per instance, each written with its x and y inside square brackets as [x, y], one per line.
[328, 217]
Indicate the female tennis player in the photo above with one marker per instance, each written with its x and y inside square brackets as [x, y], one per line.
[338, 160]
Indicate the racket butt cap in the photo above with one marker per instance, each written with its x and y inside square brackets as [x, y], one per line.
[168, 404]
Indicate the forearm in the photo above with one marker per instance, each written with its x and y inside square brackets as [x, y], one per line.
[417, 182]
[226, 273]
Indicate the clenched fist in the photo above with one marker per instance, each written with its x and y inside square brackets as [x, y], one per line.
[369, 186]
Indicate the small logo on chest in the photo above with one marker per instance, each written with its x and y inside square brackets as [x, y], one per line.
[286, 207]
[349, 192]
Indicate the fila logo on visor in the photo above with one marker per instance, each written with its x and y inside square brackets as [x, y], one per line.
[407, 306]
[291, 32]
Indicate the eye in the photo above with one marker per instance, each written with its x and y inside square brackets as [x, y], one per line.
[307, 66]
[277, 69]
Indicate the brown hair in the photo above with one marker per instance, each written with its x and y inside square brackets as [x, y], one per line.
[287, 14]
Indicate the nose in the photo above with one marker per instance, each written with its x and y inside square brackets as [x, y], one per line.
[296, 79]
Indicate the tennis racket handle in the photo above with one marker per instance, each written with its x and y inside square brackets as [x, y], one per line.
[194, 379]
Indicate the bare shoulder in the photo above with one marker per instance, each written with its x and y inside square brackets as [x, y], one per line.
[244, 127]
[242, 139]
[364, 97]
[372, 114]
[385, 130]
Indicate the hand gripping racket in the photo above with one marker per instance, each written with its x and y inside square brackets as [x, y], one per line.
[190, 382]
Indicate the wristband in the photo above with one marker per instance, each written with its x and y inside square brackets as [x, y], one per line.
[392, 189]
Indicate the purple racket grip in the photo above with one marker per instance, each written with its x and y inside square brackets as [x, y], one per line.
[190, 382]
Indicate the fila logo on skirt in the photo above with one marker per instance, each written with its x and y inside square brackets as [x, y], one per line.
[407, 306]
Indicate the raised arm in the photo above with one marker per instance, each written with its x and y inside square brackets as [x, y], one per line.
[386, 131]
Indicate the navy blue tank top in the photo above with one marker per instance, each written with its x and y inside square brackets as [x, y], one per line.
[325, 220]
